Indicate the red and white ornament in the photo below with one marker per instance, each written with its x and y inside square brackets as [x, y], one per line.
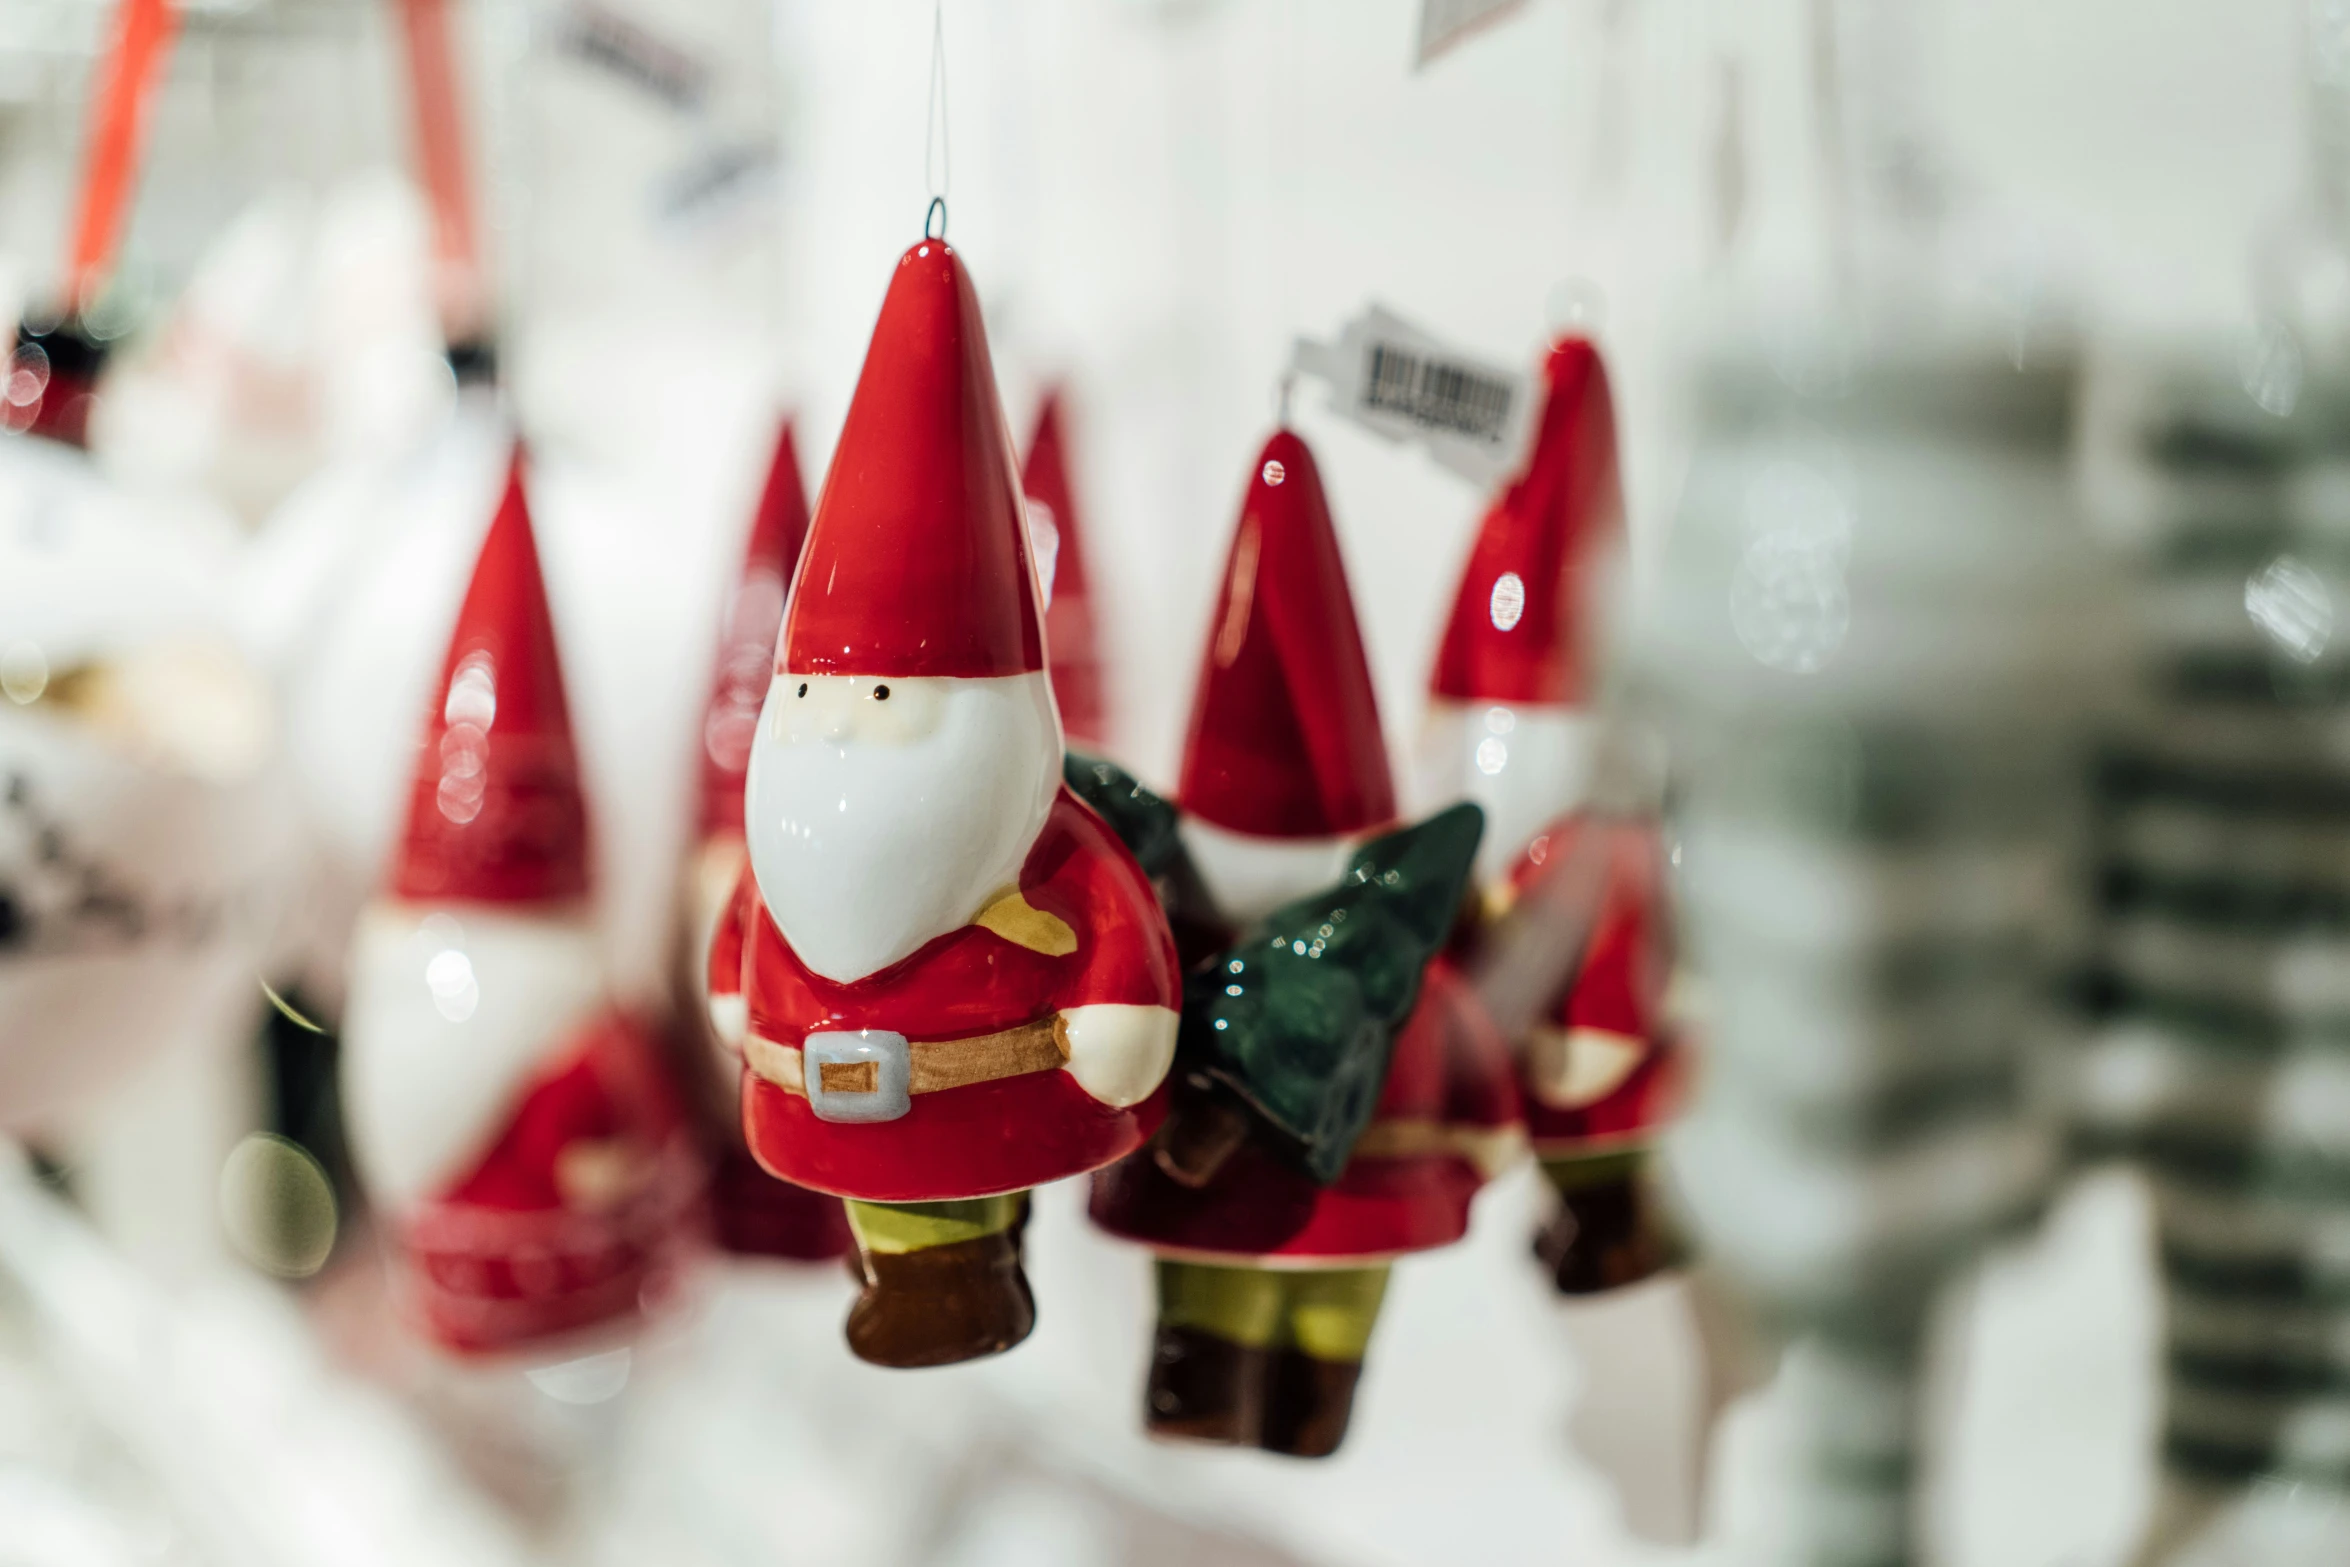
[1508, 721]
[751, 1212]
[514, 1129]
[1284, 772]
[920, 870]
[1070, 643]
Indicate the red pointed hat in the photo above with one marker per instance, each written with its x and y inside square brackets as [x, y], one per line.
[1068, 617]
[1620, 986]
[496, 814]
[1519, 630]
[1285, 738]
[746, 648]
[917, 561]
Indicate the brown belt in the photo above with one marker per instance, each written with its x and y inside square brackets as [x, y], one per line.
[1491, 1149]
[933, 1064]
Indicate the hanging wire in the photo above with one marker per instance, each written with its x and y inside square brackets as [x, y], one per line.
[934, 135]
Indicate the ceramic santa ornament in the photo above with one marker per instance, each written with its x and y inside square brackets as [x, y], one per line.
[958, 982]
[1509, 726]
[1068, 616]
[1273, 1263]
[751, 1212]
[513, 1129]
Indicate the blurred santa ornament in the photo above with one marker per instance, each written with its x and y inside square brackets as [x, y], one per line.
[751, 1211]
[143, 842]
[514, 1129]
[1337, 1111]
[1510, 726]
[958, 982]
[144, 847]
[1068, 615]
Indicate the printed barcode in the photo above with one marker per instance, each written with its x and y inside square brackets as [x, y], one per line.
[1439, 395]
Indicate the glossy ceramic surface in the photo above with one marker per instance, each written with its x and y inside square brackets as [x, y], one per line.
[1106, 944]
[1070, 648]
[1299, 1017]
[570, 1224]
[496, 813]
[1603, 1068]
[1446, 1116]
[917, 559]
[1284, 737]
[1520, 630]
[746, 648]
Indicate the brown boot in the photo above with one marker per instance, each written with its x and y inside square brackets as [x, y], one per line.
[1604, 1237]
[1204, 1388]
[1308, 1404]
[942, 1304]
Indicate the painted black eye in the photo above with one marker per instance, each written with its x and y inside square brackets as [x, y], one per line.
[881, 693]
[803, 688]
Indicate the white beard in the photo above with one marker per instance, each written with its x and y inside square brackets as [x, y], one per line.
[451, 1014]
[865, 851]
[1524, 766]
[1250, 876]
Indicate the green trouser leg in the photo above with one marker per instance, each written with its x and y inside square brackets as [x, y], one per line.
[1612, 1227]
[1578, 1172]
[1327, 1313]
[895, 1228]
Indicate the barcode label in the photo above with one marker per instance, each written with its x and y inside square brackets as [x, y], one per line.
[1404, 384]
[1437, 395]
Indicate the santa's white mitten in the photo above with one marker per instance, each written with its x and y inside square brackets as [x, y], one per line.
[1118, 1053]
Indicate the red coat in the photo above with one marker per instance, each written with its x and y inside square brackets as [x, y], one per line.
[980, 1138]
[1604, 1071]
[572, 1221]
[1446, 1119]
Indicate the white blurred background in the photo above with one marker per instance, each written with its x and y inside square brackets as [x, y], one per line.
[1156, 197]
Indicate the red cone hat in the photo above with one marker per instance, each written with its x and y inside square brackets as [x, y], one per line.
[1068, 616]
[917, 560]
[1618, 990]
[1519, 630]
[1285, 738]
[746, 648]
[496, 814]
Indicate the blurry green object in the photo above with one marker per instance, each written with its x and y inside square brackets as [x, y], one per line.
[1143, 822]
[1298, 1017]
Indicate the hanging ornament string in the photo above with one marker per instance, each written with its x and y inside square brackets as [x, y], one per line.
[934, 134]
[122, 93]
[440, 157]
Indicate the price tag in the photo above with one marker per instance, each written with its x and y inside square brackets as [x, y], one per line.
[1402, 384]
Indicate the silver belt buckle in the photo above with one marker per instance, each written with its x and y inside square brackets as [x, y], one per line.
[858, 1074]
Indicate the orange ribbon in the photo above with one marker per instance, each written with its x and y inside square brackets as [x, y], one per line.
[440, 156]
[123, 92]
